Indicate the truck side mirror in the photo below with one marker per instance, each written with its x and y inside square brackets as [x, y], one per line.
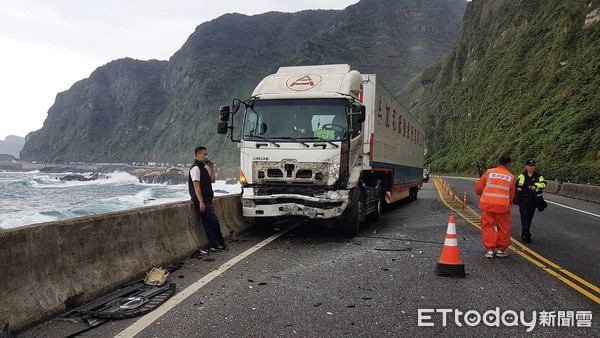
[236, 106]
[222, 127]
[224, 113]
[361, 112]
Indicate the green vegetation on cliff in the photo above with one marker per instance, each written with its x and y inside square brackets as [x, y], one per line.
[522, 80]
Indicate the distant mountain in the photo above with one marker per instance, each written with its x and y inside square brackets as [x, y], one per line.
[12, 145]
[523, 80]
[129, 110]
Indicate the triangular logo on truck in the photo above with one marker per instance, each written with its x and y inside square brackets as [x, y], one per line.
[303, 83]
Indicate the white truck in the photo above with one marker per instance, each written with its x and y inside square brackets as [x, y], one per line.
[324, 142]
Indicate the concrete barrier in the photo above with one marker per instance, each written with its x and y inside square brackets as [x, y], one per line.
[552, 187]
[581, 191]
[49, 267]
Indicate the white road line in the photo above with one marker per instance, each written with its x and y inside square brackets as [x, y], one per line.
[148, 319]
[564, 206]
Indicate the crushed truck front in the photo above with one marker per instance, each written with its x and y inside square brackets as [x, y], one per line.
[300, 129]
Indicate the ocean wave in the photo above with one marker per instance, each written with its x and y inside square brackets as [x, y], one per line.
[115, 178]
[25, 194]
[137, 199]
[27, 220]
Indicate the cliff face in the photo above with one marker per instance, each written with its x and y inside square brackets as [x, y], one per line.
[12, 145]
[109, 115]
[131, 110]
[523, 81]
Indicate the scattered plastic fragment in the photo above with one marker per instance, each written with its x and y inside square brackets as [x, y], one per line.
[386, 249]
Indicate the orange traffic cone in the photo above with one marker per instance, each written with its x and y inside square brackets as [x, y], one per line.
[449, 264]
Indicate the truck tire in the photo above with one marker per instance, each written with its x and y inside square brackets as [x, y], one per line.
[352, 215]
[376, 214]
[412, 194]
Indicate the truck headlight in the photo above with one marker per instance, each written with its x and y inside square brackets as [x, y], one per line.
[248, 203]
[335, 195]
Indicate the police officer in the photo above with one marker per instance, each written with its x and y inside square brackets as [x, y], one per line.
[529, 187]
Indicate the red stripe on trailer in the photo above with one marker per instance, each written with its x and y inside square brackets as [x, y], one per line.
[398, 192]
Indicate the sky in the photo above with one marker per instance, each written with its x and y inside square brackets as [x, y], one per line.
[48, 45]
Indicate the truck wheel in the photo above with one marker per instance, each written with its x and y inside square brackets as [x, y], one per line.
[352, 215]
[376, 214]
[412, 194]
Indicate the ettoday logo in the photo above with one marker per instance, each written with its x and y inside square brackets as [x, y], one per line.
[498, 318]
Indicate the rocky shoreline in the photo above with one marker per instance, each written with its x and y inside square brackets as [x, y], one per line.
[148, 175]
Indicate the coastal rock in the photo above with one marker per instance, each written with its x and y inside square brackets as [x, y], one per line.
[160, 176]
[75, 177]
[81, 178]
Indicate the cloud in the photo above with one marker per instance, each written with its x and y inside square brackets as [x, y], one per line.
[49, 45]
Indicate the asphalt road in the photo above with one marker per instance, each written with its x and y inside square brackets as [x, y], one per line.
[566, 232]
[313, 282]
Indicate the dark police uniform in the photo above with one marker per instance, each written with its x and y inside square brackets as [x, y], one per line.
[526, 199]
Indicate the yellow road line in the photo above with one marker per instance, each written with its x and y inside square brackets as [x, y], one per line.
[540, 261]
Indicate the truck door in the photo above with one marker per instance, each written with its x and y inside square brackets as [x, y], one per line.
[356, 147]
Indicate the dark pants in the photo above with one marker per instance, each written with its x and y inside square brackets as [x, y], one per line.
[527, 209]
[212, 227]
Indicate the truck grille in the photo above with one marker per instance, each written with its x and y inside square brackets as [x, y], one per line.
[290, 172]
[274, 173]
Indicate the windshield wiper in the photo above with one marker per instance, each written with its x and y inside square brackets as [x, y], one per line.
[319, 139]
[294, 139]
[263, 138]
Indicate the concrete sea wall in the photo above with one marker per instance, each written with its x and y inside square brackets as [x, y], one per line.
[586, 192]
[581, 191]
[49, 267]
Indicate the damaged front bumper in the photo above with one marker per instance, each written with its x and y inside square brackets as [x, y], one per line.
[329, 204]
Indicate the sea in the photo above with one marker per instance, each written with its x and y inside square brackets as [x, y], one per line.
[34, 197]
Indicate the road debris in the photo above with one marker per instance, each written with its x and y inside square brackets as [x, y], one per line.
[388, 249]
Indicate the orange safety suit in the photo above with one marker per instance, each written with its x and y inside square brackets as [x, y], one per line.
[497, 190]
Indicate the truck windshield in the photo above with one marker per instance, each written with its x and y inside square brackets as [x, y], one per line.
[290, 120]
